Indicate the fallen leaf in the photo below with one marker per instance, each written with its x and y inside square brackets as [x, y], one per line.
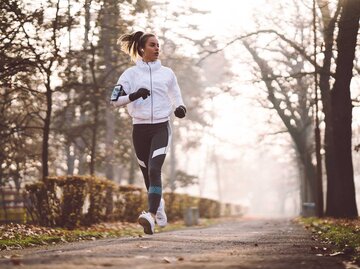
[166, 260]
[336, 254]
[5, 247]
[169, 259]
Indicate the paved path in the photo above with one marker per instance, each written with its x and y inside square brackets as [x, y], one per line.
[238, 243]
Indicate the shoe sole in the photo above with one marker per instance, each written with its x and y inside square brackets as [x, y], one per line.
[146, 225]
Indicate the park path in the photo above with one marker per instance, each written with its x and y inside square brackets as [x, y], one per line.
[235, 243]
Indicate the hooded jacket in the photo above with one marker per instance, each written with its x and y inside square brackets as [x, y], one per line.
[164, 92]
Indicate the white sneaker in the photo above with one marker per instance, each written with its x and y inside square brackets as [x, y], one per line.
[147, 222]
[160, 217]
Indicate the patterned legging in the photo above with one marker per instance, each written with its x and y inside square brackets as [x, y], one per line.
[151, 142]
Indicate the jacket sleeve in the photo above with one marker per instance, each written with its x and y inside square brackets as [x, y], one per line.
[124, 84]
[174, 92]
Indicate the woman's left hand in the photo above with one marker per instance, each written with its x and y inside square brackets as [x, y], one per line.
[180, 112]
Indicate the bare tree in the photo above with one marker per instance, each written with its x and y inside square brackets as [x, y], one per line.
[295, 115]
[341, 190]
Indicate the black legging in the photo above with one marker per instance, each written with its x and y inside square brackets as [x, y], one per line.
[151, 142]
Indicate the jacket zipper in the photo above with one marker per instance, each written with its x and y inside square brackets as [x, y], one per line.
[151, 95]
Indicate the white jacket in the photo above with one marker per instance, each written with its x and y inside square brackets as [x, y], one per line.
[164, 92]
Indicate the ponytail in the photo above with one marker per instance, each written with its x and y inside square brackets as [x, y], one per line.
[132, 44]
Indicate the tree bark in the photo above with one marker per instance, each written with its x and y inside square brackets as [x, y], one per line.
[79, 142]
[48, 93]
[94, 130]
[324, 84]
[341, 191]
[95, 124]
[319, 182]
[46, 130]
[108, 23]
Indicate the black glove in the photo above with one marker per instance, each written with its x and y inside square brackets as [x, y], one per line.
[180, 112]
[142, 92]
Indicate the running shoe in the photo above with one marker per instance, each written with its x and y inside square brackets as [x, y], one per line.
[160, 217]
[147, 222]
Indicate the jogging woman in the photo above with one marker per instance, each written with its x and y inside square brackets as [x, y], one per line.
[150, 92]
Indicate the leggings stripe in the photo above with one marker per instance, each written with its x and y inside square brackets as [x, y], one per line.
[155, 189]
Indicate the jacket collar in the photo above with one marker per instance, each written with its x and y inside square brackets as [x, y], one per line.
[153, 65]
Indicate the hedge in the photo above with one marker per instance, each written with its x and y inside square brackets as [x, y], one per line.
[72, 201]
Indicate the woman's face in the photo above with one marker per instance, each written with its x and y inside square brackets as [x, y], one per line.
[151, 50]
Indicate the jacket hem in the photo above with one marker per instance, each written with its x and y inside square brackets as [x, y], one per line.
[148, 121]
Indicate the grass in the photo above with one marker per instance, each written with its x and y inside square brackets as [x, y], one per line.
[18, 236]
[342, 234]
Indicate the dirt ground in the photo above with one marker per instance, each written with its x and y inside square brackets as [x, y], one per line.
[235, 243]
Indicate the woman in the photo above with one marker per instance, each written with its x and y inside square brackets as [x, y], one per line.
[150, 91]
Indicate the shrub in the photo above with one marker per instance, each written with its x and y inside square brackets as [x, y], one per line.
[70, 201]
[209, 208]
[132, 200]
[59, 201]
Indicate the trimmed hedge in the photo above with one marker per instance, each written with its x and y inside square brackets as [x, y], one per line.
[176, 204]
[71, 201]
[131, 201]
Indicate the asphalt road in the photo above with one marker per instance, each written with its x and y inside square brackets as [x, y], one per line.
[236, 243]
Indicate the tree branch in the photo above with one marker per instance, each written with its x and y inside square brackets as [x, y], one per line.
[293, 44]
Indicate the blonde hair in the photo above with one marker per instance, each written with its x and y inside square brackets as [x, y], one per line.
[133, 44]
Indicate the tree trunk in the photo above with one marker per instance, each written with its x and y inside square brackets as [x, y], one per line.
[341, 199]
[79, 144]
[70, 159]
[310, 177]
[69, 115]
[319, 182]
[302, 183]
[302, 144]
[108, 22]
[46, 131]
[324, 84]
[94, 138]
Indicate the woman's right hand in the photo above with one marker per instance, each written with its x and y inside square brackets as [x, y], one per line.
[142, 92]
